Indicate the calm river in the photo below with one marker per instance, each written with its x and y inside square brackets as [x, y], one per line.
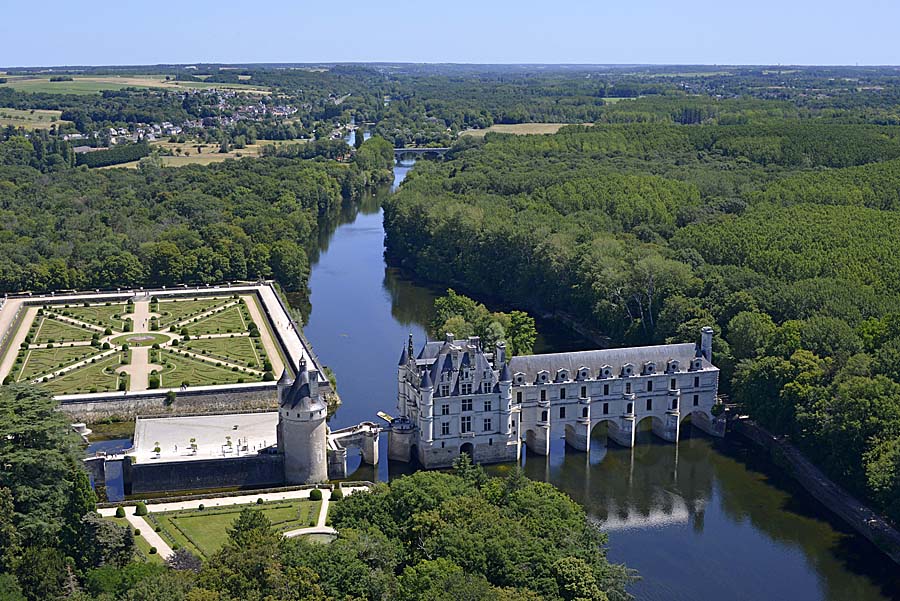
[702, 520]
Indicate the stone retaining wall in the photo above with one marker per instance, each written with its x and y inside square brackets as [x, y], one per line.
[856, 514]
[255, 471]
[130, 406]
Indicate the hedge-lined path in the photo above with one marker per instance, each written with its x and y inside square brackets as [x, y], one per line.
[82, 363]
[76, 322]
[32, 347]
[153, 538]
[269, 345]
[139, 369]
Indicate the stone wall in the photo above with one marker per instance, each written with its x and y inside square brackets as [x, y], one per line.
[147, 404]
[254, 471]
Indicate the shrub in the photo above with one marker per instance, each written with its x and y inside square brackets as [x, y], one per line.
[122, 385]
[137, 531]
[153, 382]
[155, 346]
[120, 512]
[105, 346]
[107, 332]
[268, 377]
[140, 508]
[315, 494]
[201, 507]
[157, 529]
[170, 397]
[337, 494]
[259, 501]
[152, 550]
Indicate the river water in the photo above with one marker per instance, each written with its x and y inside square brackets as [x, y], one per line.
[702, 520]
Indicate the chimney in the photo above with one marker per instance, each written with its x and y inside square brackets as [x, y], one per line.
[499, 354]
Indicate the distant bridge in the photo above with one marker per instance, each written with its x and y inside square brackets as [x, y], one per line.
[418, 151]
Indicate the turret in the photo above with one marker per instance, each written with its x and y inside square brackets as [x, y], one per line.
[505, 388]
[706, 338]
[301, 428]
[426, 411]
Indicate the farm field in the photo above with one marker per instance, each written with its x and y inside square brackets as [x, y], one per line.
[194, 372]
[93, 85]
[520, 129]
[209, 154]
[240, 349]
[30, 119]
[204, 531]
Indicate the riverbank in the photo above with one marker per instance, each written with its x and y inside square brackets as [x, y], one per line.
[856, 514]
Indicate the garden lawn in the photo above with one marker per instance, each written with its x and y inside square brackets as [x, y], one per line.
[231, 320]
[194, 372]
[100, 376]
[173, 311]
[52, 330]
[106, 316]
[142, 545]
[42, 361]
[240, 349]
[205, 531]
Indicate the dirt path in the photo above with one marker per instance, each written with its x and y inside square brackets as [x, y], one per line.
[270, 345]
[13, 347]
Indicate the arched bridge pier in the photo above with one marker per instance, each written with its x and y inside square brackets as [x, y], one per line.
[363, 437]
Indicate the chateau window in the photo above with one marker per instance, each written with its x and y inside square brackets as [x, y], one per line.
[562, 413]
[562, 393]
[445, 428]
[584, 412]
[445, 390]
[696, 400]
[649, 404]
[696, 381]
[584, 392]
[675, 403]
[543, 395]
[513, 423]
[466, 388]
[467, 404]
[487, 425]
[544, 415]
[649, 385]
[445, 409]
[673, 385]
[519, 397]
[488, 406]
[605, 389]
[627, 387]
[629, 408]
[605, 408]
[465, 424]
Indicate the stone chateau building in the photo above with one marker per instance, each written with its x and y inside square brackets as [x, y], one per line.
[453, 397]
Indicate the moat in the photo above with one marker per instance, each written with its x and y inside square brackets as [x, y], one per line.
[702, 520]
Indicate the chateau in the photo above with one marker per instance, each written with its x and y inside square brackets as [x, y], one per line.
[454, 397]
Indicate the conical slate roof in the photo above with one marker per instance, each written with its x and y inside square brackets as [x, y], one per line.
[299, 396]
[426, 380]
[404, 357]
[504, 373]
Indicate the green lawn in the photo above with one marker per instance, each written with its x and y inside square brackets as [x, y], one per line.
[106, 316]
[100, 376]
[205, 531]
[227, 321]
[195, 372]
[140, 339]
[53, 330]
[172, 311]
[37, 362]
[240, 349]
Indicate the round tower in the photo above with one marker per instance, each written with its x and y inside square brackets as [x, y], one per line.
[302, 433]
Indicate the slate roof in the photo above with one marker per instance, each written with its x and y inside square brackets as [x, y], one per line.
[298, 395]
[594, 360]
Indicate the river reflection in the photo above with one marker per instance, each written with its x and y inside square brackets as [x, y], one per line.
[702, 520]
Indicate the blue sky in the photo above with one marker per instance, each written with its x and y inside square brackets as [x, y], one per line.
[102, 32]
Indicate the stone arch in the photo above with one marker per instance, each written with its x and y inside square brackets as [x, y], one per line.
[603, 430]
[469, 449]
[647, 424]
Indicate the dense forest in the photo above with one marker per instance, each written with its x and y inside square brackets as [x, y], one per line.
[425, 536]
[782, 236]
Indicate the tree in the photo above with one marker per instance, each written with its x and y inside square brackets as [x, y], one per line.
[183, 560]
[80, 502]
[750, 333]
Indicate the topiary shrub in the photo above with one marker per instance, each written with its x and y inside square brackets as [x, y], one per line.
[201, 507]
[337, 494]
[268, 377]
[140, 508]
[120, 512]
[260, 501]
[152, 550]
[137, 531]
[315, 495]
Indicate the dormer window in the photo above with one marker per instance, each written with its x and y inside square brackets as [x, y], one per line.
[673, 366]
[543, 377]
[697, 364]
[649, 368]
[520, 378]
[562, 375]
[606, 371]
[583, 373]
[627, 370]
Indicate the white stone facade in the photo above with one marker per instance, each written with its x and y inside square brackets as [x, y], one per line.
[453, 398]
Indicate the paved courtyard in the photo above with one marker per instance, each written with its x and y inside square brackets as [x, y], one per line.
[248, 432]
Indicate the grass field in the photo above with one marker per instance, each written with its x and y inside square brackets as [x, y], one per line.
[37, 362]
[203, 532]
[92, 85]
[240, 349]
[177, 310]
[227, 321]
[106, 316]
[100, 376]
[520, 129]
[53, 330]
[194, 372]
[209, 154]
[30, 119]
